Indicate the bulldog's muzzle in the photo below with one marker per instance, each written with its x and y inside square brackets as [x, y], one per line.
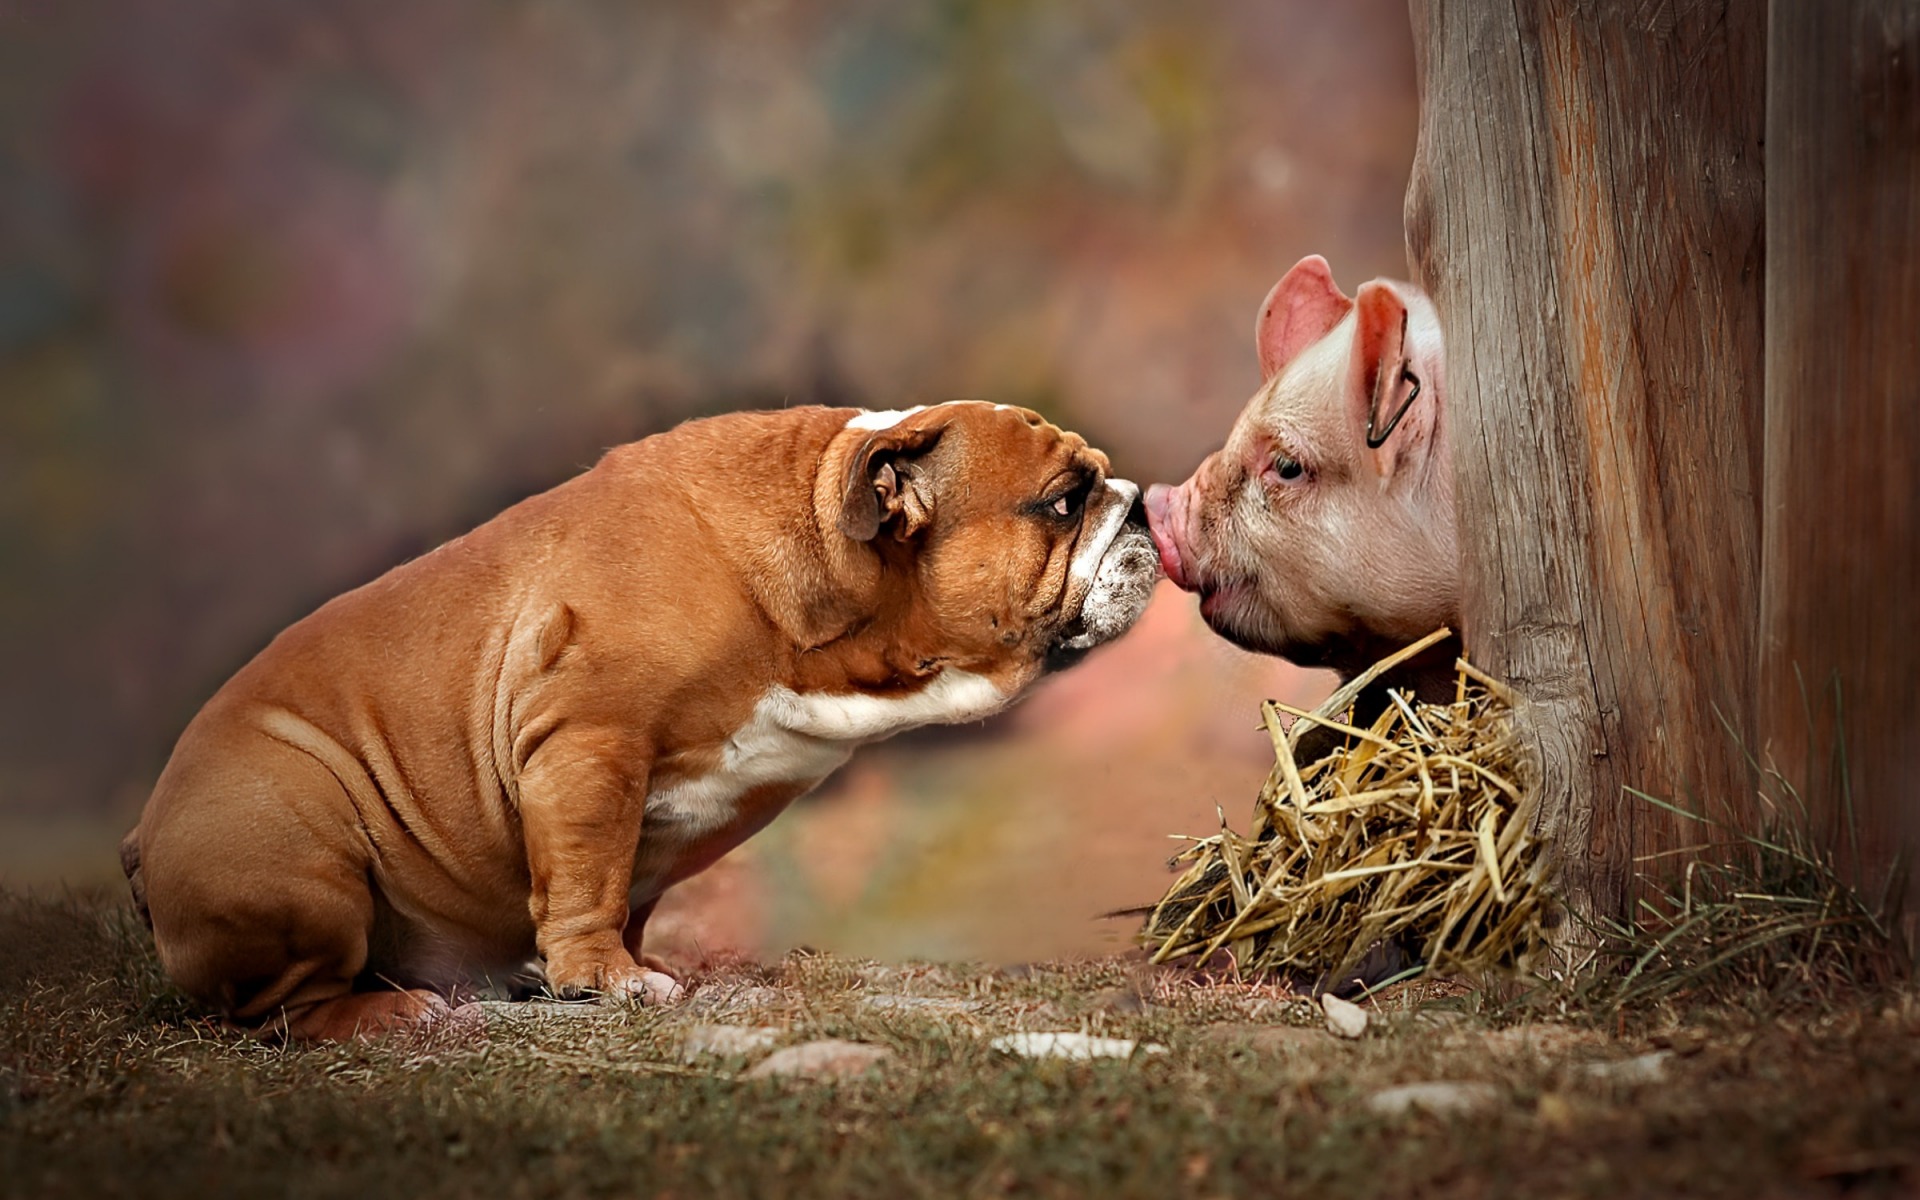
[1121, 566]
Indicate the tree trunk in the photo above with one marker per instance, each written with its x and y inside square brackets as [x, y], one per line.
[1840, 592]
[1586, 210]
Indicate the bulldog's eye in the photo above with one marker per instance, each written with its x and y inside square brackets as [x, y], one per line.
[1069, 504]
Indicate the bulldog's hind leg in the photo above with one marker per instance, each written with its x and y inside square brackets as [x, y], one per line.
[365, 1015]
[256, 878]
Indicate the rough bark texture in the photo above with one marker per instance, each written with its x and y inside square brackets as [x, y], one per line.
[1586, 210]
[1840, 597]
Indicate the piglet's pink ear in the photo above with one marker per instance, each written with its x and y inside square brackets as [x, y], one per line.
[1377, 389]
[1299, 311]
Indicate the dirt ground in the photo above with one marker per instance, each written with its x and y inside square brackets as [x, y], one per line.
[111, 1085]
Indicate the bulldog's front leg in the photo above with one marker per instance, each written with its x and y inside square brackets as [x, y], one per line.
[581, 803]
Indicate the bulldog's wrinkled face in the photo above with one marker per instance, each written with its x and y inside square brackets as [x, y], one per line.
[1023, 552]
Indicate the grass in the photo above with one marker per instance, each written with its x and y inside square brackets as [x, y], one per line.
[111, 1085]
[1771, 918]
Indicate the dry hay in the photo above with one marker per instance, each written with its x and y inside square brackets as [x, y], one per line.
[1413, 830]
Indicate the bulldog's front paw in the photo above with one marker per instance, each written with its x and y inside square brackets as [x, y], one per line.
[615, 980]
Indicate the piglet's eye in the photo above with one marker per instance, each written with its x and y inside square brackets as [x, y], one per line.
[1287, 468]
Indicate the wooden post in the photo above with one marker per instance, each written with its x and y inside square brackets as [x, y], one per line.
[1586, 210]
[1840, 593]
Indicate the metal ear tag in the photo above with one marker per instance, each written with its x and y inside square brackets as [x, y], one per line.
[1377, 440]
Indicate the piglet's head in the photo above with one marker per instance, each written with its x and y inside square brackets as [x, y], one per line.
[1323, 530]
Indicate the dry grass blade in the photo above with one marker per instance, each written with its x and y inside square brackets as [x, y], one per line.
[1767, 916]
[1412, 828]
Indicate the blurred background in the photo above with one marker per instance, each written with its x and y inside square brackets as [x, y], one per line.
[292, 292]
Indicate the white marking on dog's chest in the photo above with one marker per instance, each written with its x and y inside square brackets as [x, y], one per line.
[794, 738]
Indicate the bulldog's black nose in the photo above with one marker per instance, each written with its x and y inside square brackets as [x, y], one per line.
[1060, 655]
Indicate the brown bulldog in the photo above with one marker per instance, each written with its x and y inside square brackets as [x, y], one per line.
[517, 742]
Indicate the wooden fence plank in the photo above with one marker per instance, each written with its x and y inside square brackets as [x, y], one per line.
[1840, 591]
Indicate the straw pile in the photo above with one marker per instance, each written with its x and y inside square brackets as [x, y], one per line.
[1413, 831]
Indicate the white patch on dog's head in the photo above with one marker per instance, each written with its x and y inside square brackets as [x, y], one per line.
[883, 419]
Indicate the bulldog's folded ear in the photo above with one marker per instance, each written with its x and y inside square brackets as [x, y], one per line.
[886, 485]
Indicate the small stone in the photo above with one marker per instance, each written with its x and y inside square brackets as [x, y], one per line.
[1555, 1112]
[886, 975]
[1631, 1072]
[1540, 1039]
[726, 1041]
[829, 1059]
[726, 999]
[1682, 1042]
[938, 1006]
[1345, 1019]
[524, 1012]
[1261, 1039]
[1079, 1047]
[1441, 1098]
[1119, 1000]
[656, 987]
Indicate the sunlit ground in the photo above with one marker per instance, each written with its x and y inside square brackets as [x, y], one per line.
[110, 1085]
